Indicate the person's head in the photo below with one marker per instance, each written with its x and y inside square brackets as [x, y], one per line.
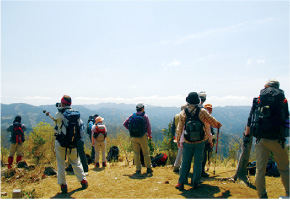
[272, 82]
[65, 101]
[95, 116]
[193, 98]
[202, 96]
[140, 107]
[208, 107]
[99, 120]
[17, 119]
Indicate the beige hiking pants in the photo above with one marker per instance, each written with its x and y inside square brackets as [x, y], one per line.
[16, 148]
[100, 146]
[138, 143]
[263, 149]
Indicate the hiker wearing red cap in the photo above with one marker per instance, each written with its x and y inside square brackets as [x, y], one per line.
[192, 120]
[16, 140]
[69, 130]
[98, 136]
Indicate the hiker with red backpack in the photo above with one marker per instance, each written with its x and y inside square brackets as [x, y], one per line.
[192, 120]
[267, 122]
[139, 128]
[99, 134]
[16, 140]
[69, 130]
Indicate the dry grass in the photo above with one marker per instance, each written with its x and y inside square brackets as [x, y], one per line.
[118, 181]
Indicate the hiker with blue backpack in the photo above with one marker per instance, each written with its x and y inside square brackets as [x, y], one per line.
[139, 128]
[267, 122]
[16, 140]
[98, 137]
[192, 121]
[69, 130]
[91, 122]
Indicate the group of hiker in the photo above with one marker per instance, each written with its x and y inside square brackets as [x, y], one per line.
[194, 135]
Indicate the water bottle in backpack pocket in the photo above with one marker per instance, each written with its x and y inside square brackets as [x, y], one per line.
[194, 128]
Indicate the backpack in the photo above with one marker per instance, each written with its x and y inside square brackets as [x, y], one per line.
[17, 133]
[100, 129]
[271, 169]
[89, 126]
[70, 129]
[137, 125]
[193, 126]
[113, 154]
[271, 114]
[159, 159]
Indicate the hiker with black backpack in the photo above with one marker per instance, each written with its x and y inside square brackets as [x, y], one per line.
[139, 128]
[16, 140]
[69, 130]
[99, 134]
[192, 121]
[267, 123]
[90, 124]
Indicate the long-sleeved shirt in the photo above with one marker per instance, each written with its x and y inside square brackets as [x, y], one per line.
[204, 116]
[147, 126]
[58, 122]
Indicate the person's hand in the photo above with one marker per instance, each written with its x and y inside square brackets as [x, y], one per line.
[210, 143]
[178, 143]
[246, 139]
[219, 125]
[47, 114]
[247, 132]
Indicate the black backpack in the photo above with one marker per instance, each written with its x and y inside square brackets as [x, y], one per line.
[271, 114]
[71, 126]
[113, 154]
[137, 125]
[17, 133]
[193, 126]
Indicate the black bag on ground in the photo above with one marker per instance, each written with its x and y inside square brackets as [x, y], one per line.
[271, 169]
[193, 126]
[113, 154]
[159, 159]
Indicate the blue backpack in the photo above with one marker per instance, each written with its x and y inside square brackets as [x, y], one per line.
[137, 125]
[70, 129]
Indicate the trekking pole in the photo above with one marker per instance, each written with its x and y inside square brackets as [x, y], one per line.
[216, 148]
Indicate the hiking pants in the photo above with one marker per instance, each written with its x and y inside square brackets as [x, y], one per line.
[100, 146]
[81, 152]
[137, 144]
[205, 155]
[189, 151]
[263, 148]
[178, 157]
[74, 160]
[16, 148]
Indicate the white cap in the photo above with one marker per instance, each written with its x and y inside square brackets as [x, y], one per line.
[202, 94]
[272, 82]
[140, 105]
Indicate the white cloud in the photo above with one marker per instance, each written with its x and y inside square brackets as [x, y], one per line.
[175, 63]
[261, 61]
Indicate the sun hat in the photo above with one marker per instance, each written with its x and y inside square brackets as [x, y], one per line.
[272, 82]
[193, 98]
[202, 95]
[99, 119]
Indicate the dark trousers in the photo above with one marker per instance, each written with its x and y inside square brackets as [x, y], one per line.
[81, 153]
[92, 151]
[206, 152]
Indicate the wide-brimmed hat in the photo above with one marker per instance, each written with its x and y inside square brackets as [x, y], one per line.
[202, 95]
[99, 119]
[193, 98]
[272, 82]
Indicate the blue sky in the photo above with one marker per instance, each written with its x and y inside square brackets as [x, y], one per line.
[154, 52]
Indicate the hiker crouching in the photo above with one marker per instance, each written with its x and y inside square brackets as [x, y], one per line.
[16, 140]
[69, 129]
[270, 112]
[139, 127]
[192, 120]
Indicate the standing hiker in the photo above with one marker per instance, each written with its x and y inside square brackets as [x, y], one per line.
[16, 140]
[193, 118]
[139, 127]
[173, 128]
[69, 129]
[269, 130]
[90, 124]
[99, 134]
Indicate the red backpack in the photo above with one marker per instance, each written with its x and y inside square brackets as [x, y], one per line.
[100, 129]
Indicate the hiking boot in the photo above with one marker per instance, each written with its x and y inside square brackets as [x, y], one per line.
[97, 165]
[63, 188]
[138, 171]
[176, 169]
[179, 186]
[84, 184]
[264, 196]
[104, 164]
[149, 170]
[204, 174]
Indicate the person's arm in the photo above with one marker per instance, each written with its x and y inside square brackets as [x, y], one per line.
[10, 128]
[126, 122]
[172, 128]
[180, 125]
[205, 117]
[148, 126]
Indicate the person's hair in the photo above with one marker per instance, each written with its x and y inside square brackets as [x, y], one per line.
[17, 119]
[139, 109]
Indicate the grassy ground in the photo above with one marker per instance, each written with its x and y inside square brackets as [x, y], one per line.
[119, 181]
